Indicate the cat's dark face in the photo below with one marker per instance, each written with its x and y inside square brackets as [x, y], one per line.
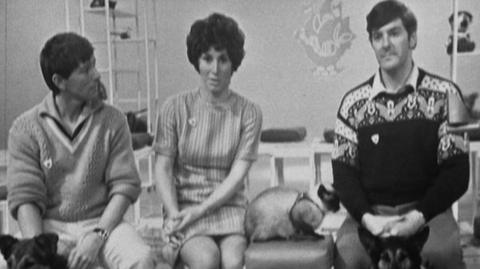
[329, 198]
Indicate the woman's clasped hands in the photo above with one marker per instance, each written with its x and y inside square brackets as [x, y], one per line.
[174, 224]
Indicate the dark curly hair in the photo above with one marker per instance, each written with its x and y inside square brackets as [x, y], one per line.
[217, 31]
[387, 11]
[62, 54]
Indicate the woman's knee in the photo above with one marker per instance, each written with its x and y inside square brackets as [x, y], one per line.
[201, 252]
[205, 259]
[232, 250]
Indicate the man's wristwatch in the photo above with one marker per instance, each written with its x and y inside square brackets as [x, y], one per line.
[102, 233]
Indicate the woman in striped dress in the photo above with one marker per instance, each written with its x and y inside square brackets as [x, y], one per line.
[205, 143]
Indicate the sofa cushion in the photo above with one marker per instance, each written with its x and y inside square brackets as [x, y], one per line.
[303, 254]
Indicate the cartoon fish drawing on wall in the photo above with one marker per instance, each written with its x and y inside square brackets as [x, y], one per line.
[325, 35]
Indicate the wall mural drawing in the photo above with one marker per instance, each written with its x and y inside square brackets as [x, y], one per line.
[325, 35]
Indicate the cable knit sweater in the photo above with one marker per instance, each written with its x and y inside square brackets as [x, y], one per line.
[70, 178]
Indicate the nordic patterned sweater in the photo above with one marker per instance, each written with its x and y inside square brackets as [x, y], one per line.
[392, 149]
[70, 178]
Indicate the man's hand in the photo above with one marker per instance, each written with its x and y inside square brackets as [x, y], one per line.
[85, 254]
[377, 225]
[408, 225]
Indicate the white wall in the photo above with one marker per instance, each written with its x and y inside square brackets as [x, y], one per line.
[276, 72]
[28, 24]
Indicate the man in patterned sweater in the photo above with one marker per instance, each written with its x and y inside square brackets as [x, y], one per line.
[395, 167]
[71, 165]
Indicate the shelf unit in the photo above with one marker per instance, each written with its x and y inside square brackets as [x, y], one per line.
[128, 62]
[455, 54]
[144, 42]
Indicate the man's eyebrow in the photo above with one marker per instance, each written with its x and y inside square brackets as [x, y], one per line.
[393, 28]
[376, 32]
[396, 27]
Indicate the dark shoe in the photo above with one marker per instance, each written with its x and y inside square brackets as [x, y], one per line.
[97, 3]
[101, 3]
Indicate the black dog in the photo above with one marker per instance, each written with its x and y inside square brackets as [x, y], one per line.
[394, 252]
[39, 252]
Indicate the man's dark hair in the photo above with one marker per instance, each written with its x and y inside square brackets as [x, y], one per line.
[387, 11]
[217, 31]
[62, 54]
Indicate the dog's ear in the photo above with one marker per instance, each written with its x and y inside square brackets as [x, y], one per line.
[370, 242]
[418, 239]
[6, 244]
[47, 241]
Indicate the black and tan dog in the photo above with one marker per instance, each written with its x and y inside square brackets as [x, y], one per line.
[395, 252]
[39, 252]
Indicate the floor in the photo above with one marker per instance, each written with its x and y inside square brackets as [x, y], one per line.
[470, 244]
[296, 177]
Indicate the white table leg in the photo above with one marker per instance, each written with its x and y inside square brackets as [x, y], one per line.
[276, 166]
[474, 170]
[316, 165]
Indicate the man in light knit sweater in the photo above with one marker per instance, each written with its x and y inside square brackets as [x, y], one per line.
[71, 165]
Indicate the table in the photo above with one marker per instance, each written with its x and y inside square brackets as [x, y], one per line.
[277, 152]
